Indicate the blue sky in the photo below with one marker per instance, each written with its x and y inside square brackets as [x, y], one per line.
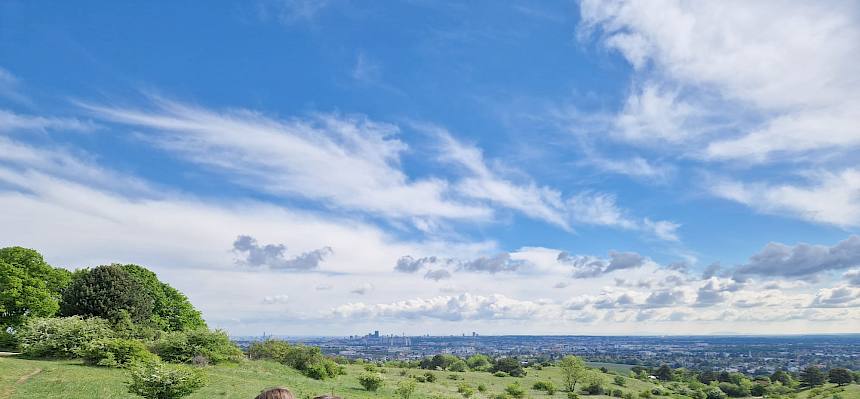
[441, 166]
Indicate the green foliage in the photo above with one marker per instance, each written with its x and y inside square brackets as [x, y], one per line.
[29, 287]
[572, 371]
[515, 390]
[715, 393]
[115, 352]
[465, 389]
[307, 359]
[482, 388]
[479, 362]
[156, 380]
[171, 310]
[459, 366]
[664, 373]
[812, 377]
[509, 365]
[840, 376]
[183, 346]
[501, 374]
[572, 395]
[62, 337]
[106, 292]
[405, 388]
[617, 393]
[430, 377]
[594, 388]
[546, 386]
[371, 381]
[619, 380]
[439, 362]
[783, 377]
[8, 342]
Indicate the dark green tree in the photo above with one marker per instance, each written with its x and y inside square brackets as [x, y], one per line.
[782, 377]
[509, 365]
[840, 376]
[812, 376]
[664, 373]
[171, 310]
[109, 292]
[29, 287]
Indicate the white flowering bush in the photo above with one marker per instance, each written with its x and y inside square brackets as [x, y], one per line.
[157, 380]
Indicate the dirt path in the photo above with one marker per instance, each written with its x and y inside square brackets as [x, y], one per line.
[26, 377]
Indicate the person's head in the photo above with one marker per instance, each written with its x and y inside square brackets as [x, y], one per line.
[276, 393]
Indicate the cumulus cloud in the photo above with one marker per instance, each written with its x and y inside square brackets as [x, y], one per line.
[664, 298]
[588, 266]
[852, 277]
[843, 296]
[436, 275]
[780, 260]
[274, 257]
[408, 264]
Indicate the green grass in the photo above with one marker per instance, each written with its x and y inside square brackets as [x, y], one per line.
[73, 380]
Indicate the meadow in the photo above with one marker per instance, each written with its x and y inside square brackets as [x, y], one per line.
[25, 379]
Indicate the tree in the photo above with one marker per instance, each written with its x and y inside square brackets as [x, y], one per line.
[782, 377]
[572, 371]
[458, 366]
[171, 310]
[405, 388]
[107, 292]
[664, 373]
[509, 365]
[479, 362]
[29, 287]
[371, 381]
[812, 376]
[840, 376]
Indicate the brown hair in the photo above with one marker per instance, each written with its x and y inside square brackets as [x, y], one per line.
[276, 393]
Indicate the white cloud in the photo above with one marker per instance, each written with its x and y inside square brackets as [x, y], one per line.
[460, 307]
[346, 162]
[827, 197]
[276, 299]
[12, 121]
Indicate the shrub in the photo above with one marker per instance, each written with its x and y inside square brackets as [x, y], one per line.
[619, 380]
[627, 395]
[715, 393]
[501, 374]
[371, 381]
[405, 389]
[594, 388]
[61, 337]
[509, 365]
[482, 388]
[572, 395]
[183, 346]
[430, 377]
[547, 386]
[479, 362]
[617, 393]
[115, 352]
[156, 380]
[465, 389]
[455, 377]
[8, 341]
[645, 394]
[459, 366]
[515, 390]
[307, 359]
[421, 379]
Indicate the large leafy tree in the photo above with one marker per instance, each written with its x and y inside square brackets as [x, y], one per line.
[812, 376]
[109, 292]
[572, 371]
[171, 310]
[840, 376]
[29, 287]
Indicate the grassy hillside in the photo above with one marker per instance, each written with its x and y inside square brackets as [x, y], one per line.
[24, 379]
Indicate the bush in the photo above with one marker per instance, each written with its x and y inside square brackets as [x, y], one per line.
[183, 346]
[115, 352]
[465, 389]
[617, 393]
[515, 390]
[405, 389]
[371, 381]
[458, 366]
[482, 388]
[572, 395]
[547, 386]
[619, 380]
[430, 377]
[594, 388]
[156, 380]
[645, 394]
[307, 359]
[62, 337]
[8, 341]
[501, 374]
[421, 379]
[509, 365]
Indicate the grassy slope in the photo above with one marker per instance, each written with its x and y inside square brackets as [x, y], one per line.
[71, 380]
